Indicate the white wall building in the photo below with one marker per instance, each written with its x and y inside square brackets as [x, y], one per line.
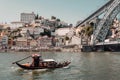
[62, 31]
[16, 24]
[75, 40]
[31, 30]
[4, 26]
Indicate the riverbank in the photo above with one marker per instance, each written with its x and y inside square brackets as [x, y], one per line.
[53, 49]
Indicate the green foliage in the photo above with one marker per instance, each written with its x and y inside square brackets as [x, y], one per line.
[66, 38]
[53, 17]
[46, 32]
[58, 20]
[88, 30]
[37, 16]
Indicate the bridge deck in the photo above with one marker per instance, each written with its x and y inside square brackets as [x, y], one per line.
[113, 46]
[109, 43]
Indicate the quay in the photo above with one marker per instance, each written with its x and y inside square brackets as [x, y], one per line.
[113, 46]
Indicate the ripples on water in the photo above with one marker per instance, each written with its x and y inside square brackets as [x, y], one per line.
[84, 66]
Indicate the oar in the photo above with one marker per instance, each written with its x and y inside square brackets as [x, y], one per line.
[21, 59]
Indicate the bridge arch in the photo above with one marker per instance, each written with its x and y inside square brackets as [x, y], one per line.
[104, 25]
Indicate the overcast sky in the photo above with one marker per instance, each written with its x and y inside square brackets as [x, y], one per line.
[67, 10]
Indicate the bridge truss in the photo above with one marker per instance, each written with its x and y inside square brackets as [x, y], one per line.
[110, 10]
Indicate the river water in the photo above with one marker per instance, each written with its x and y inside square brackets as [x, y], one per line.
[84, 66]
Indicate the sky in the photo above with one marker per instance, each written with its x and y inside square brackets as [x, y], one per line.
[69, 11]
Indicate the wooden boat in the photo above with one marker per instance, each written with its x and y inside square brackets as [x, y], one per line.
[45, 64]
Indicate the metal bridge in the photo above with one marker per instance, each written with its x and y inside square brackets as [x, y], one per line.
[110, 11]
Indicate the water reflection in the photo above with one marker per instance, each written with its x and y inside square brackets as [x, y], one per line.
[30, 74]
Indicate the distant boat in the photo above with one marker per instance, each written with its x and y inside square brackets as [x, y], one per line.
[45, 64]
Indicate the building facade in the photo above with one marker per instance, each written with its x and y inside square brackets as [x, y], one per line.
[27, 17]
[16, 24]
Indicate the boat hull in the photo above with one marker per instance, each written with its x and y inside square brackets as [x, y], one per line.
[58, 65]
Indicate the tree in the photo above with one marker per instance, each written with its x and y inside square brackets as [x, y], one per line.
[46, 32]
[37, 16]
[53, 17]
[58, 20]
[88, 30]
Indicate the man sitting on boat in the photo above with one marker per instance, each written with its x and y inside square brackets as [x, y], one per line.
[36, 60]
[26, 64]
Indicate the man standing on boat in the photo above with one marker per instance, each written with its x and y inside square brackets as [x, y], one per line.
[36, 60]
